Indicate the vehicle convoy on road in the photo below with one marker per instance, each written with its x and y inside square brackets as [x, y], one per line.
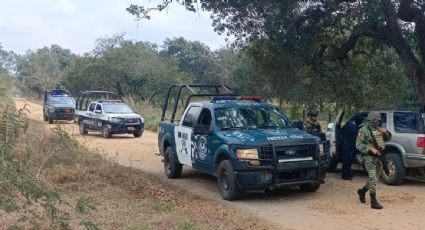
[58, 105]
[247, 144]
[404, 153]
[109, 116]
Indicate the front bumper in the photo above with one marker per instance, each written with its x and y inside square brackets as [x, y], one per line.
[127, 128]
[285, 174]
[62, 116]
[277, 174]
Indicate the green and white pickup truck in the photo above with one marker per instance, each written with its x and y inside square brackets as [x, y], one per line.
[247, 144]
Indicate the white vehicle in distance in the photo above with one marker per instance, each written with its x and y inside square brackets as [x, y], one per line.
[110, 117]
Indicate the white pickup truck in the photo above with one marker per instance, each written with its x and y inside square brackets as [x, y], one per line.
[111, 117]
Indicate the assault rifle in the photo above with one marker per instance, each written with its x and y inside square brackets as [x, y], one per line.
[381, 156]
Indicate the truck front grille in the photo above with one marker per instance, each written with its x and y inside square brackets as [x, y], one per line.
[65, 110]
[288, 153]
[132, 120]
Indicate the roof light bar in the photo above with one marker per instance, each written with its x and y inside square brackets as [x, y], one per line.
[59, 93]
[224, 98]
[251, 98]
[229, 98]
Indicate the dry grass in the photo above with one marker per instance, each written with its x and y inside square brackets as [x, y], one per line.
[98, 193]
[151, 114]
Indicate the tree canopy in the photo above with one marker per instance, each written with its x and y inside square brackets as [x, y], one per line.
[319, 33]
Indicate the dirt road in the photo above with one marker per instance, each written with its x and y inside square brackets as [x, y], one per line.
[334, 206]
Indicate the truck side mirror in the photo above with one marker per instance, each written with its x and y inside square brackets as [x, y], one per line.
[201, 130]
[299, 124]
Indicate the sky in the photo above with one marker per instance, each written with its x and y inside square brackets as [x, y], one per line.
[76, 24]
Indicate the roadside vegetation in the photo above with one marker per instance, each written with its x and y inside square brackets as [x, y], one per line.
[49, 181]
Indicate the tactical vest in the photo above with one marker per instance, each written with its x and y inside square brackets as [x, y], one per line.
[313, 127]
[379, 139]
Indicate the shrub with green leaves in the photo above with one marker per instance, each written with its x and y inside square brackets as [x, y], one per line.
[19, 185]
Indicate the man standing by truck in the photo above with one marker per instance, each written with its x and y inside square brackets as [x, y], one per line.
[370, 142]
[348, 142]
[312, 126]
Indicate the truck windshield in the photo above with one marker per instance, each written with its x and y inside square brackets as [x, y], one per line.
[62, 101]
[117, 108]
[250, 117]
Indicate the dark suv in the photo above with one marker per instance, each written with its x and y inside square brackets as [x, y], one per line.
[58, 105]
[405, 151]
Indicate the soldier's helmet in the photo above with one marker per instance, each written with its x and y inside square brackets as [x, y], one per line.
[312, 112]
[374, 116]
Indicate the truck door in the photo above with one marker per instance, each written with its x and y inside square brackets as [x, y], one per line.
[97, 117]
[204, 149]
[183, 135]
[335, 132]
[89, 118]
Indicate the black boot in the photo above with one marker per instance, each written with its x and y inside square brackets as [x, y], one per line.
[362, 194]
[374, 203]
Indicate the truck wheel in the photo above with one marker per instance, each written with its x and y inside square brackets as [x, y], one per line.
[137, 133]
[83, 129]
[312, 187]
[106, 132]
[396, 168]
[172, 167]
[333, 163]
[50, 120]
[226, 181]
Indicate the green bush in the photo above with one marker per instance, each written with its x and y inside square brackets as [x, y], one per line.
[150, 113]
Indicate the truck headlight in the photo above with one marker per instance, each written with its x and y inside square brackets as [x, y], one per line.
[116, 120]
[248, 154]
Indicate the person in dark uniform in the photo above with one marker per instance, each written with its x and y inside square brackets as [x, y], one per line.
[348, 142]
[312, 126]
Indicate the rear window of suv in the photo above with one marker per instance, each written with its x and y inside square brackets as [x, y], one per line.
[406, 122]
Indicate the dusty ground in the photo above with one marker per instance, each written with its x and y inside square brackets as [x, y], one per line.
[333, 206]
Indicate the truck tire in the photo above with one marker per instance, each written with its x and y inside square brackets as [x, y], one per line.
[332, 165]
[172, 167]
[137, 133]
[82, 128]
[50, 120]
[226, 181]
[397, 170]
[106, 132]
[311, 187]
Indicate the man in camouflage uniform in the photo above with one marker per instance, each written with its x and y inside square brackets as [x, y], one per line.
[312, 126]
[370, 153]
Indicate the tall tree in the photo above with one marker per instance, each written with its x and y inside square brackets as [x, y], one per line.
[7, 61]
[193, 57]
[44, 68]
[126, 67]
[323, 31]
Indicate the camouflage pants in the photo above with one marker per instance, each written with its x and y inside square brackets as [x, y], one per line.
[372, 166]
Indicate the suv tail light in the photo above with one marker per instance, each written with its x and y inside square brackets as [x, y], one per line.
[420, 142]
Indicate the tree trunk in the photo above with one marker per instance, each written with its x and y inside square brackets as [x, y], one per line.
[414, 69]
